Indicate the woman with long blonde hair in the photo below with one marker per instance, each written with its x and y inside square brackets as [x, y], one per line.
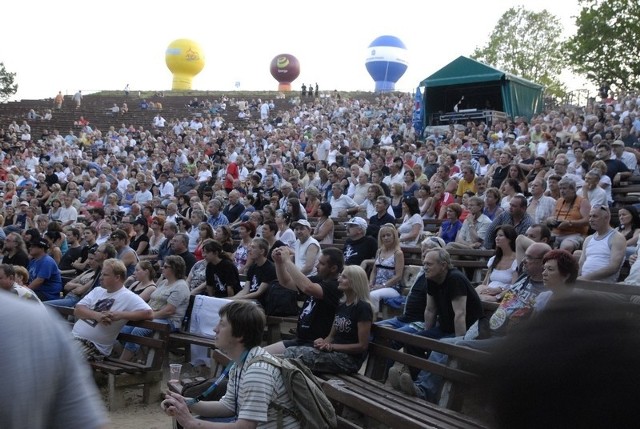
[388, 267]
[344, 349]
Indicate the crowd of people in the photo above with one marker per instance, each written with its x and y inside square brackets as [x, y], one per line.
[158, 212]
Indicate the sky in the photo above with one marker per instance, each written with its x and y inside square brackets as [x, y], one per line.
[71, 45]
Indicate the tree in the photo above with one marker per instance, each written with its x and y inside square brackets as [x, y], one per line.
[606, 46]
[527, 44]
[7, 87]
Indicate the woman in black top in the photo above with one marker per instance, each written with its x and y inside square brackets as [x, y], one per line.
[223, 280]
[141, 282]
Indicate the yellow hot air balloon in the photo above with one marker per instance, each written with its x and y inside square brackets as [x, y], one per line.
[185, 59]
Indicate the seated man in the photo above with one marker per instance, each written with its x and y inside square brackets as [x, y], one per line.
[8, 283]
[570, 221]
[105, 310]
[474, 228]
[358, 246]
[78, 287]
[322, 296]
[248, 400]
[517, 305]
[306, 248]
[604, 251]
[260, 274]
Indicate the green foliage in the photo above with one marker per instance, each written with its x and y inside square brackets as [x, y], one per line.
[606, 47]
[527, 44]
[7, 85]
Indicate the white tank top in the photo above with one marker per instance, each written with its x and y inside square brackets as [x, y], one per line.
[598, 253]
[301, 254]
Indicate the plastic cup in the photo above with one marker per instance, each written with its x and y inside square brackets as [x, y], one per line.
[174, 371]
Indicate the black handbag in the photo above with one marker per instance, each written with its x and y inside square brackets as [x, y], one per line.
[280, 301]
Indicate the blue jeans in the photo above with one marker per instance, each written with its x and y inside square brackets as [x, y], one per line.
[68, 301]
[142, 332]
[429, 384]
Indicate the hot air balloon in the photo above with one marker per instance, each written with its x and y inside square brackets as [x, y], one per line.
[386, 62]
[185, 59]
[285, 68]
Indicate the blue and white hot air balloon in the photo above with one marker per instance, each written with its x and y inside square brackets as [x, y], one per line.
[386, 62]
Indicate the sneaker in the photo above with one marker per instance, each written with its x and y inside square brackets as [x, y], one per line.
[394, 376]
[407, 385]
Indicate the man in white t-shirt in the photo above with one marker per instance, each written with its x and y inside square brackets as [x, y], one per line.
[68, 213]
[105, 310]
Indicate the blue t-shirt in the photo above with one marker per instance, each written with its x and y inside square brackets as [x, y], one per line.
[47, 269]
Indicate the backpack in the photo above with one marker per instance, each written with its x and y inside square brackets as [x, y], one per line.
[280, 301]
[312, 407]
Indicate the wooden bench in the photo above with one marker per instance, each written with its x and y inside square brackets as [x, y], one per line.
[475, 266]
[366, 394]
[123, 374]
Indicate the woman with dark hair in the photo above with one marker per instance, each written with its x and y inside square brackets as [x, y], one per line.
[538, 170]
[205, 232]
[450, 227]
[515, 172]
[409, 187]
[483, 165]
[294, 210]
[412, 224]
[629, 227]
[503, 266]
[222, 277]
[269, 231]
[323, 231]
[169, 303]
[510, 188]
[559, 273]
[285, 233]
[140, 242]
[242, 258]
[223, 235]
[54, 238]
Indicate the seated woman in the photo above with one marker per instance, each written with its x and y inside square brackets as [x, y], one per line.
[142, 282]
[169, 303]
[629, 227]
[502, 267]
[388, 267]
[344, 349]
[450, 227]
[242, 258]
[323, 231]
[221, 274]
[412, 224]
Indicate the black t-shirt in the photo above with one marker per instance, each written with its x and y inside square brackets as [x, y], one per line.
[455, 284]
[615, 166]
[20, 258]
[416, 302]
[222, 276]
[316, 316]
[233, 213]
[346, 321]
[69, 257]
[357, 251]
[256, 275]
[376, 222]
[499, 175]
[135, 242]
[189, 260]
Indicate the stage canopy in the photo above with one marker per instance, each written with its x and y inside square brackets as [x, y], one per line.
[483, 88]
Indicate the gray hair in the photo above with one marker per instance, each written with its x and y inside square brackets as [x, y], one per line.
[443, 256]
[567, 182]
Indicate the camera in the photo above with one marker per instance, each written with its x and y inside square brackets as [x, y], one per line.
[554, 224]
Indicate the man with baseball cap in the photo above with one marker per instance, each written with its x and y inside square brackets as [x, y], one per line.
[44, 274]
[358, 246]
[306, 248]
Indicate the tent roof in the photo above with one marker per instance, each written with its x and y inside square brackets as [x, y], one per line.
[465, 70]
